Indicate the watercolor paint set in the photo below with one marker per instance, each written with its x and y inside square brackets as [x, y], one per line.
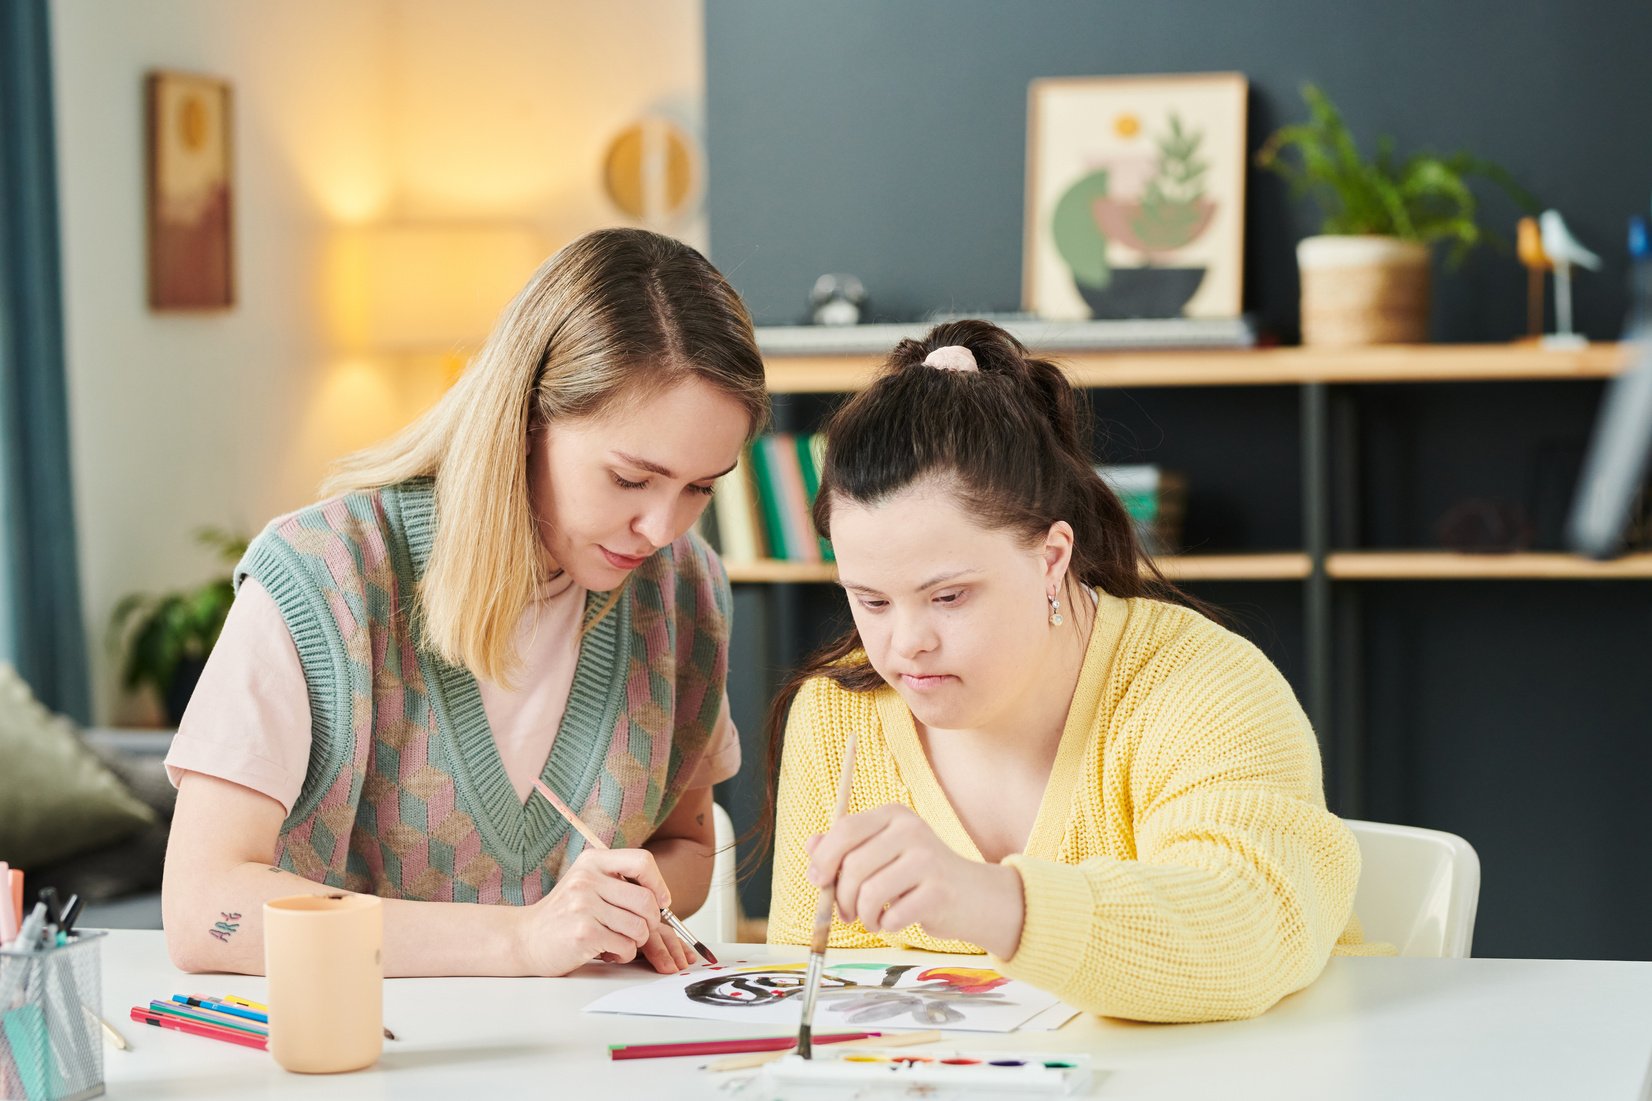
[932, 1073]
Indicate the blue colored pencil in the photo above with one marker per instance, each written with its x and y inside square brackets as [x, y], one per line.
[204, 1001]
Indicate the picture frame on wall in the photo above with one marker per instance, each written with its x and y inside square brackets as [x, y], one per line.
[1135, 203]
[190, 192]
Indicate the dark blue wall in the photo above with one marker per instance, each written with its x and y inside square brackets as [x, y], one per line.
[887, 139]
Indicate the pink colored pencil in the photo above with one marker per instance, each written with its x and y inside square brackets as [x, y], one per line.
[212, 1032]
[725, 1047]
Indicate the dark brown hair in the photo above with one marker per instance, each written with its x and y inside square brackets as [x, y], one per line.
[1011, 438]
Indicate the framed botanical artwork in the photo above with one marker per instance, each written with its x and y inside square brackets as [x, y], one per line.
[190, 185]
[1135, 196]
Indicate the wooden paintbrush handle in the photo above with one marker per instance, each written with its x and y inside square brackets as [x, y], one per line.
[823, 909]
[567, 812]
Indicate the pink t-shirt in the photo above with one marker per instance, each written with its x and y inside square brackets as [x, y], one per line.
[249, 719]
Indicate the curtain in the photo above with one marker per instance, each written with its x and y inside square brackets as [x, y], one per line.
[41, 631]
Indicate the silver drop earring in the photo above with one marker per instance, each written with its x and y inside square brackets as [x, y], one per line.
[1055, 611]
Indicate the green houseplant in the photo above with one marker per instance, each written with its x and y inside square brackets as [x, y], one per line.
[1365, 276]
[167, 636]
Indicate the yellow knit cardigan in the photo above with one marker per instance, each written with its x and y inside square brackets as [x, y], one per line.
[1182, 867]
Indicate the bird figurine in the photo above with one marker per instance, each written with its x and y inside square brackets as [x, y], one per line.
[1528, 245]
[1563, 250]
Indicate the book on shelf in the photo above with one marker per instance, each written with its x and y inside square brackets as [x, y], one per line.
[811, 450]
[763, 508]
[768, 500]
[1156, 500]
[738, 524]
[792, 497]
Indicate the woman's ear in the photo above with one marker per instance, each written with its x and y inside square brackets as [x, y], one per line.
[1057, 554]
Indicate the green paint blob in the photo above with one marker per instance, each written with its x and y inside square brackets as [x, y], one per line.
[1077, 237]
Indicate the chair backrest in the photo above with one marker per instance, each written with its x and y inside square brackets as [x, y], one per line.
[719, 919]
[1418, 889]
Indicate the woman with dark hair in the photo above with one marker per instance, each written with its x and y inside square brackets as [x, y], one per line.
[1059, 761]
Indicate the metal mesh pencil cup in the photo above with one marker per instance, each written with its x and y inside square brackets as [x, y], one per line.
[51, 1047]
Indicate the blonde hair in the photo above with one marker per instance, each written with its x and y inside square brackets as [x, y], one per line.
[619, 314]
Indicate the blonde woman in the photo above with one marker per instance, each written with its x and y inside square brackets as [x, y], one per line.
[507, 591]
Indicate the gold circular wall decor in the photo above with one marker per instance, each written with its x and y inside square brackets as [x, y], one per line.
[652, 169]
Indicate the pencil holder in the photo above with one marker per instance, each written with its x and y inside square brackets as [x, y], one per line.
[50, 1043]
[323, 956]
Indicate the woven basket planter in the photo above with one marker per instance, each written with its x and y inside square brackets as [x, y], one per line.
[1363, 290]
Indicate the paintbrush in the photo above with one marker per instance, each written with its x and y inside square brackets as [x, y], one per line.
[596, 842]
[823, 915]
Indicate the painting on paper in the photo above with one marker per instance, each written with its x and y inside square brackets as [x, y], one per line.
[1135, 197]
[191, 260]
[853, 996]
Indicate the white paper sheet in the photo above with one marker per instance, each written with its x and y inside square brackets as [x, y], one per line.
[855, 995]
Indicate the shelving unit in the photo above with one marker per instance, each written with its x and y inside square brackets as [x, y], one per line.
[1287, 566]
[1255, 366]
[1328, 561]
[1295, 566]
[1452, 566]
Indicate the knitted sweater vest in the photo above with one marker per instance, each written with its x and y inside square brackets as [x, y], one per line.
[406, 795]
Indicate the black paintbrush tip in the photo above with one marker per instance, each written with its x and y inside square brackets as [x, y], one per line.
[804, 1048]
[705, 952]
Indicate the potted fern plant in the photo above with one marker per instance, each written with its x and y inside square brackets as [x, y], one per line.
[167, 636]
[1365, 276]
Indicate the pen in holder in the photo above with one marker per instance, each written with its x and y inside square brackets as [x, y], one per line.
[50, 1045]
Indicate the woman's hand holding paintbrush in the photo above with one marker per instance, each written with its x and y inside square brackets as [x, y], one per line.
[636, 872]
[887, 869]
[605, 906]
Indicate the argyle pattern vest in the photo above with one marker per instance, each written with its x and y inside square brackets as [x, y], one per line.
[405, 795]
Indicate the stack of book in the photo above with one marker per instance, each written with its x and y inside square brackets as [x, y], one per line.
[1156, 500]
[761, 509]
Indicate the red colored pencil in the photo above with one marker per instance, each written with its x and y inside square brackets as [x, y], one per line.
[725, 1047]
[213, 1032]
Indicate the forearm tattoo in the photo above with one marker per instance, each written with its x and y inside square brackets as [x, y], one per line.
[227, 928]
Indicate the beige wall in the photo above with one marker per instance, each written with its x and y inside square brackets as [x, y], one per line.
[346, 113]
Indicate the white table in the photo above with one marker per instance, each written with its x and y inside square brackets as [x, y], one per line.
[1369, 1028]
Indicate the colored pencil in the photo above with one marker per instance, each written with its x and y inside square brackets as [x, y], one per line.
[15, 879]
[238, 1007]
[823, 915]
[208, 1017]
[230, 1004]
[220, 1005]
[596, 842]
[9, 916]
[725, 1047]
[757, 1059]
[211, 1032]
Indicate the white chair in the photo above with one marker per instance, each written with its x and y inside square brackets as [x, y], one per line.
[1418, 889]
[718, 920]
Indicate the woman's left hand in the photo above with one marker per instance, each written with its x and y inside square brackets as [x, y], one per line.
[891, 870]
